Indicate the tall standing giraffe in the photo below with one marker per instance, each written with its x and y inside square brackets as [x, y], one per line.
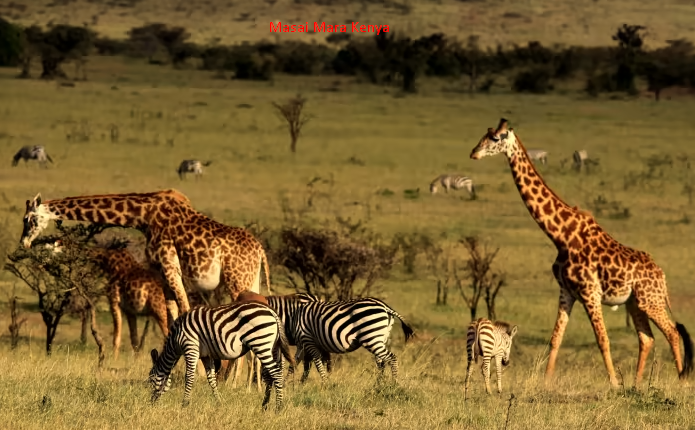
[181, 242]
[591, 266]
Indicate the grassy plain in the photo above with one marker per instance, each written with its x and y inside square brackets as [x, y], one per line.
[570, 22]
[403, 143]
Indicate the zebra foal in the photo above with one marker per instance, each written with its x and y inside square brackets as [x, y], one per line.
[224, 332]
[321, 328]
[453, 182]
[32, 152]
[192, 166]
[490, 340]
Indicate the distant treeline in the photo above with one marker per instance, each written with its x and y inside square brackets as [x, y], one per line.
[383, 59]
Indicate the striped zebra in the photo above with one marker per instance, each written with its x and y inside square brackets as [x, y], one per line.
[285, 307]
[579, 159]
[29, 152]
[489, 340]
[192, 166]
[321, 328]
[220, 333]
[538, 154]
[455, 182]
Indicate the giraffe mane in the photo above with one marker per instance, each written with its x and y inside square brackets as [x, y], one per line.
[171, 192]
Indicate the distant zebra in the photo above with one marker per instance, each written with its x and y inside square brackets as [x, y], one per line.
[219, 333]
[286, 306]
[579, 158]
[488, 339]
[343, 326]
[538, 154]
[192, 166]
[455, 182]
[29, 152]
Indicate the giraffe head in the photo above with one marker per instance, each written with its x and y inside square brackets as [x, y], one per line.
[36, 219]
[501, 140]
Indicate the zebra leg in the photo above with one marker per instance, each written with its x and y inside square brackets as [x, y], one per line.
[257, 364]
[192, 355]
[469, 372]
[209, 364]
[313, 352]
[498, 368]
[486, 373]
[383, 355]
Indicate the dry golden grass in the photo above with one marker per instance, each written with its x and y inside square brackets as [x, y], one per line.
[571, 22]
[404, 143]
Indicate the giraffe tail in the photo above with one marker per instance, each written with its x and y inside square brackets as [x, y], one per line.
[688, 347]
[267, 271]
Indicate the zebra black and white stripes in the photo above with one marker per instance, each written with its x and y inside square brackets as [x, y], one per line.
[454, 182]
[538, 154]
[32, 152]
[339, 327]
[488, 339]
[219, 333]
[192, 166]
[579, 159]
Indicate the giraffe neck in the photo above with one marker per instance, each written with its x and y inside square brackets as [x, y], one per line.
[555, 217]
[125, 210]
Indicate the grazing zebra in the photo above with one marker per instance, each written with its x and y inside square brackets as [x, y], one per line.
[579, 158]
[538, 154]
[192, 166]
[286, 307]
[320, 328]
[223, 333]
[488, 339]
[455, 182]
[29, 152]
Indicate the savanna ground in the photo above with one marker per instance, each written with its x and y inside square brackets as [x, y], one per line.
[397, 144]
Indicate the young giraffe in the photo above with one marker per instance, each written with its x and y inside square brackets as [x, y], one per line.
[133, 288]
[591, 266]
[181, 242]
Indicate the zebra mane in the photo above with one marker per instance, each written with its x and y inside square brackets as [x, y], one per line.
[503, 325]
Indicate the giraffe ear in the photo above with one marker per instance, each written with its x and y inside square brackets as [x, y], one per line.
[503, 126]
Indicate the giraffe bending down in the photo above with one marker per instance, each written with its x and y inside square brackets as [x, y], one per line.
[591, 266]
[133, 288]
[181, 242]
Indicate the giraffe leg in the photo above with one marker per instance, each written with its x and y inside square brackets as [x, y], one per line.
[593, 310]
[160, 315]
[171, 269]
[133, 328]
[117, 323]
[644, 333]
[668, 328]
[563, 315]
[239, 363]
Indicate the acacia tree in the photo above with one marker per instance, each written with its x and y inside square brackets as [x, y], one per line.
[484, 282]
[291, 111]
[62, 277]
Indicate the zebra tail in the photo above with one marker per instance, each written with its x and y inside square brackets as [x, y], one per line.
[207, 163]
[476, 347]
[408, 331]
[284, 343]
[48, 157]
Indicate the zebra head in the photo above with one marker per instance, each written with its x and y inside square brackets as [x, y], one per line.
[36, 219]
[497, 141]
[508, 346]
[157, 375]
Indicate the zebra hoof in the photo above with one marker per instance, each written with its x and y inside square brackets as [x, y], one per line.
[185, 403]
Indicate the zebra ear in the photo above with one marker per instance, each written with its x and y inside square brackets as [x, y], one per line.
[513, 332]
[154, 356]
